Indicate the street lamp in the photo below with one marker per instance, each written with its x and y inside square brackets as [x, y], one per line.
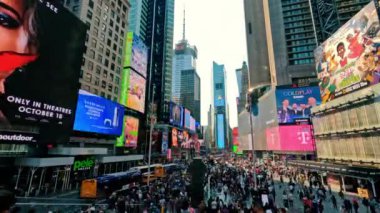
[253, 96]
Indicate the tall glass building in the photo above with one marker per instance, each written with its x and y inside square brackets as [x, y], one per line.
[220, 105]
[191, 92]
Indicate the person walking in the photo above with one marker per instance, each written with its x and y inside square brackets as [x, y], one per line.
[355, 204]
[333, 201]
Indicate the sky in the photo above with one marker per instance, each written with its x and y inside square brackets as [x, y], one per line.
[217, 28]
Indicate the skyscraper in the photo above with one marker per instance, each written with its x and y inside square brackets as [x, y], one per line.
[191, 92]
[242, 82]
[138, 18]
[184, 58]
[102, 64]
[220, 105]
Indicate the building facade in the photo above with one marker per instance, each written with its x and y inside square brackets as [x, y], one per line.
[191, 92]
[103, 60]
[242, 82]
[220, 106]
[138, 18]
[184, 58]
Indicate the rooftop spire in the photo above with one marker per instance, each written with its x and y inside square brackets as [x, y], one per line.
[184, 23]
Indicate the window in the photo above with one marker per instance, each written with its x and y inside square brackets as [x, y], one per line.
[86, 87]
[98, 69]
[100, 58]
[108, 42]
[109, 32]
[249, 28]
[98, 11]
[95, 32]
[112, 66]
[120, 51]
[108, 52]
[119, 60]
[91, 4]
[117, 19]
[102, 36]
[219, 86]
[97, 80]
[87, 77]
[110, 77]
[114, 47]
[111, 23]
[102, 94]
[105, 74]
[90, 66]
[101, 47]
[76, 8]
[110, 87]
[96, 21]
[116, 90]
[106, 62]
[93, 43]
[105, 17]
[89, 14]
[91, 54]
[123, 24]
[118, 70]
[103, 27]
[104, 84]
[117, 80]
[115, 99]
[95, 91]
[113, 56]
[109, 97]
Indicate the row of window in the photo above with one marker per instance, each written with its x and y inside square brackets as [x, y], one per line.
[298, 30]
[300, 36]
[88, 78]
[302, 48]
[297, 12]
[295, 6]
[297, 18]
[301, 61]
[100, 93]
[298, 24]
[98, 71]
[301, 42]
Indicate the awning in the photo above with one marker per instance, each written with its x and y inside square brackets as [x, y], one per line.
[342, 169]
[123, 158]
[44, 162]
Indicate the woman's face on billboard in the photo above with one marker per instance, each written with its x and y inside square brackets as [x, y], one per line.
[14, 36]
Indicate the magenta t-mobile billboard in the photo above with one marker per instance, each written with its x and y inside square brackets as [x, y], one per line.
[290, 138]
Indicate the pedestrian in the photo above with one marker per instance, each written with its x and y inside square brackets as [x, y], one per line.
[341, 195]
[347, 205]
[355, 204]
[365, 203]
[333, 200]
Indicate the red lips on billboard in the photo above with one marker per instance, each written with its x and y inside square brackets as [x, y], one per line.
[9, 61]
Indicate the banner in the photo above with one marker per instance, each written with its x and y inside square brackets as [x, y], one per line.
[40, 64]
[349, 59]
[164, 144]
[176, 115]
[290, 138]
[131, 131]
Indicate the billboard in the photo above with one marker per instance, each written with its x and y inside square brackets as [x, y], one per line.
[131, 131]
[220, 131]
[40, 64]
[192, 124]
[187, 119]
[294, 104]
[98, 115]
[139, 61]
[136, 92]
[165, 142]
[349, 59]
[290, 138]
[176, 115]
[175, 137]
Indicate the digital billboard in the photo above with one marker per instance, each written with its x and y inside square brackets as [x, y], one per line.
[139, 61]
[165, 142]
[349, 59]
[98, 115]
[220, 131]
[175, 137]
[294, 104]
[290, 138]
[192, 124]
[40, 64]
[176, 115]
[131, 131]
[136, 92]
[187, 119]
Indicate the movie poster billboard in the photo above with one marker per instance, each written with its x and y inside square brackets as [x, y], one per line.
[174, 137]
[176, 115]
[131, 131]
[349, 59]
[40, 64]
[294, 104]
[290, 138]
[136, 92]
[98, 115]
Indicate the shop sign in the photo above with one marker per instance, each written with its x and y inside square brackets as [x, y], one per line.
[363, 193]
[85, 163]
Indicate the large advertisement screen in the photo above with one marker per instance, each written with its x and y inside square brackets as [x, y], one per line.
[192, 124]
[98, 115]
[220, 131]
[176, 115]
[349, 59]
[40, 64]
[290, 138]
[139, 60]
[294, 104]
[187, 119]
[174, 137]
[131, 131]
[136, 92]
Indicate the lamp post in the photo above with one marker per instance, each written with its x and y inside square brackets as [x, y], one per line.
[252, 143]
[152, 97]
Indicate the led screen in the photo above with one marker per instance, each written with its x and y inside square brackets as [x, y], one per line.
[98, 115]
[40, 64]
[139, 60]
[131, 131]
[290, 138]
[174, 137]
[165, 142]
[176, 115]
[349, 59]
[220, 131]
[294, 104]
[136, 92]
[192, 124]
[187, 119]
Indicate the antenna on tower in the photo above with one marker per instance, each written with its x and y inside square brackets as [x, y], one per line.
[184, 22]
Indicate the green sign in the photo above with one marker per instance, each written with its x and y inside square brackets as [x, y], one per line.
[84, 163]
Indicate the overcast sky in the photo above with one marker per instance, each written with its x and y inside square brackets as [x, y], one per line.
[217, 28]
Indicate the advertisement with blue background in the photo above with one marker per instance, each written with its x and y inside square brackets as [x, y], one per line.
[176, 114]
[220, 129]
[98, 115]
[294, 104]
